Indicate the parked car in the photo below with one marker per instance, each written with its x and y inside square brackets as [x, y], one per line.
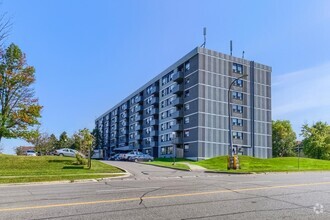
[115, 157]
[127, 156]
[141, 157]
[67, 152]
[31, 153]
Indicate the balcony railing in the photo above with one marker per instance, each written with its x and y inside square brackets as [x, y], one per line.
[178, 101]
[178, 77]
[177, 127]
[154, 122]
[153, 133]
[177, 140]
[138, 128]
[154, 111]
[177, 114]
[178, 89]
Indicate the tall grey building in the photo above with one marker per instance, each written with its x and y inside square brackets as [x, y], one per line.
[183, 111]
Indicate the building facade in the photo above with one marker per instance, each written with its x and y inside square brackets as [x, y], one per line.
[183, 111]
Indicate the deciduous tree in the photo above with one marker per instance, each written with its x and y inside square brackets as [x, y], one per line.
[284, 138]
[19, 109]
[316, 142]
[83, 140]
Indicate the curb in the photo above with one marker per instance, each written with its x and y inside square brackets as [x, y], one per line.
[64, 181]
[225, 172]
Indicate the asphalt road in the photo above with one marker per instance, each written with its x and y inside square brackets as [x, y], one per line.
[159, 193]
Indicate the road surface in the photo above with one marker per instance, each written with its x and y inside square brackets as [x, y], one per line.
[160, 193]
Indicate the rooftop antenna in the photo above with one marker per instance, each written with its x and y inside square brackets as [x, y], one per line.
[231, 48]
[243, 54]
[204, 33]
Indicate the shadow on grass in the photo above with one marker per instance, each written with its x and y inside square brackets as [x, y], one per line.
[73, 167]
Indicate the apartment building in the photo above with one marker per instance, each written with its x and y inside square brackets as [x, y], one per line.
[183, 111]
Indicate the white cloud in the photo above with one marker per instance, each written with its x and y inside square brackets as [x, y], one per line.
[301, 90]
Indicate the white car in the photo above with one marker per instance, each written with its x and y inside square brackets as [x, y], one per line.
[66, 152]
[31, 153]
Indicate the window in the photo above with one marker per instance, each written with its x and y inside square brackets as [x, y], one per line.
[238, 82]
[187, 81]
[187, 66]
[124, 106]
[237, 68]
[186, 147]
[237, 95]
[237, 108]
[238, 135]
[186, 93]
[237, 122]
[163, 150]
[167, 78]
[147, 130]
[148, 151]
[186, 133]
[186, 107]
[186, 120]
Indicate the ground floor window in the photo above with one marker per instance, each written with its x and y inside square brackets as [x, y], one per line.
[166, 150]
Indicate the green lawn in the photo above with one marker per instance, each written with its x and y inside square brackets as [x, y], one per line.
[251, 164]
[15, 169]
[168, 162]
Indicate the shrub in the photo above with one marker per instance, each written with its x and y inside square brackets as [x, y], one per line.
[81, 160]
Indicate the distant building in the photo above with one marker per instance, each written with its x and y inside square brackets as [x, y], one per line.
[183, 111]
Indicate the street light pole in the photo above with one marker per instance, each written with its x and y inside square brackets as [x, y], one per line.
[230, 150]
[173, 144]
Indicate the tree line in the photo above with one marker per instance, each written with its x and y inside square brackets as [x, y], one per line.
[315, 142]
[46, 144]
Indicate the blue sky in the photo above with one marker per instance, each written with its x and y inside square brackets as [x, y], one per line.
[84, 51]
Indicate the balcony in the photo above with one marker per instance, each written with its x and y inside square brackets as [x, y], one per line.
[113, 143]
[178, 89]
[138, 128]
[153, 133]
[154, 122]
[177, 127]
[178, 77]
[154, 101]
[154, 90]
[139, 108]
[138, 99]
[153, 144]
[154, 111]
[177, 114]
[177, 140]
[138, 118]
[178, 101]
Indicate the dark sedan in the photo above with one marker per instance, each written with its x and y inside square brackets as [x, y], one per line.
[143, 157]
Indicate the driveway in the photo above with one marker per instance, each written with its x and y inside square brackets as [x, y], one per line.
[143, 171]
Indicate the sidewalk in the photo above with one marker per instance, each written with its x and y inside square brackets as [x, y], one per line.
[194, 167]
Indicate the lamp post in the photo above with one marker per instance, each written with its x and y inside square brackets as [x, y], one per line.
[173, 144]
[230, 150]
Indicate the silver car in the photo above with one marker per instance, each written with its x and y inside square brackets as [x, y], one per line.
[66, 152]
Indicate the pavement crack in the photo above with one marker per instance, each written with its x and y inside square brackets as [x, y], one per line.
[146, 193]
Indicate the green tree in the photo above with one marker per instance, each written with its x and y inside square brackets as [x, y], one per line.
[83, 140]
[19, 109]
[42, 143]
[19, 151]
[53, 142]
[65, 141]
[98, 140]
[316, 142]
[284, 138]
